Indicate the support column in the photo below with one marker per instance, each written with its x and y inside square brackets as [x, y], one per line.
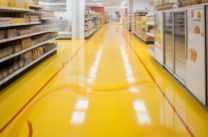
[78, 10]
[82, 7]
[130, 8]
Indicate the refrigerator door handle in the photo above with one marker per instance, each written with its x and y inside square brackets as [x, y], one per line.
[186, 35]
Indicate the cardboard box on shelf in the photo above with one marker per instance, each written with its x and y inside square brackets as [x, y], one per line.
[5, 21]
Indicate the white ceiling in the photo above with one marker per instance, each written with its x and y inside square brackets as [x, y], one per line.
[109, 5]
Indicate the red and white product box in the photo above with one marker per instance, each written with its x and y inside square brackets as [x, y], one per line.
[5, 21]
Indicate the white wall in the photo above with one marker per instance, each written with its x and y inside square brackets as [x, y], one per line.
[142, 5]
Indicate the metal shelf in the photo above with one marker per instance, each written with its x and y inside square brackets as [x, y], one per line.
[48, 18]
[25, 67]
[150, 15]
[25, 50]
[18, 24]
[93, 32]
[89, 19]
[35, 7]
[25, 36]
[90, 28]
[150, 34]
[147, 42]
[9, 9]
[150, 23]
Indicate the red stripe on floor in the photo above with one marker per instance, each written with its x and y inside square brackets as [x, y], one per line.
[174, 109]
[7, 124]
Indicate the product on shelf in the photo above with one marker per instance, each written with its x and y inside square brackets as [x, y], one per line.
[2, 34]
[4, 3]
[89, 24]
[11, 33]
[22, 60]
[88, 16]
[33, 19]
[9, 48]
[44, 14]
[33, 2]
[4, 20]
[48, 46]
[160, 5]
[15, 3]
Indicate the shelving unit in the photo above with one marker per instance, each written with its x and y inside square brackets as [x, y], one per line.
[19, 24]
[151, 24]
[90, 28]
[24, 69]
[150, 34]
[92, 23]
[128, 21]
[146, 42]
[5, 81]
[92, 32]
[25, 50]
[139, 27]
[9, 9]
[25, 36]
[48, 18]
[35, 7]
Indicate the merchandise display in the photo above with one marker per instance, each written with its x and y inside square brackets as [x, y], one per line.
[166, 5]
[128, 20]
[140, 27]
[93, 22]
[106, 19]
[20, 45]
[13, 64]
[180, 46]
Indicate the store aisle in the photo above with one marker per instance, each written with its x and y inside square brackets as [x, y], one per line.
[106, 86]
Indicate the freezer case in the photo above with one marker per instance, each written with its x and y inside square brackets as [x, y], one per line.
[168, 40]
[159, 49]
[195, 59]
[180, 45]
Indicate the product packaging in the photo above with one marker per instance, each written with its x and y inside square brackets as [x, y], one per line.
[4, 3]
[10, 69]
[21, 63]
[5, 20]
[13, 3]
[2, 35]
[16, 66]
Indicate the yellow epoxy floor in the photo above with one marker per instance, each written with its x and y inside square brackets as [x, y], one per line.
[106, 86]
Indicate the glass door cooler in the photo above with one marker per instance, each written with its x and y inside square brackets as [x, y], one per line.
[184, 54]
[180, 45]
[195, 57]
[159, 49]
[168, 40]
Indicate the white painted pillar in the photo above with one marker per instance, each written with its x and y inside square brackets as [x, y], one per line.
[82, 7]
[74, 19]
[130, 8]
[69, 9]
[78, 10]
